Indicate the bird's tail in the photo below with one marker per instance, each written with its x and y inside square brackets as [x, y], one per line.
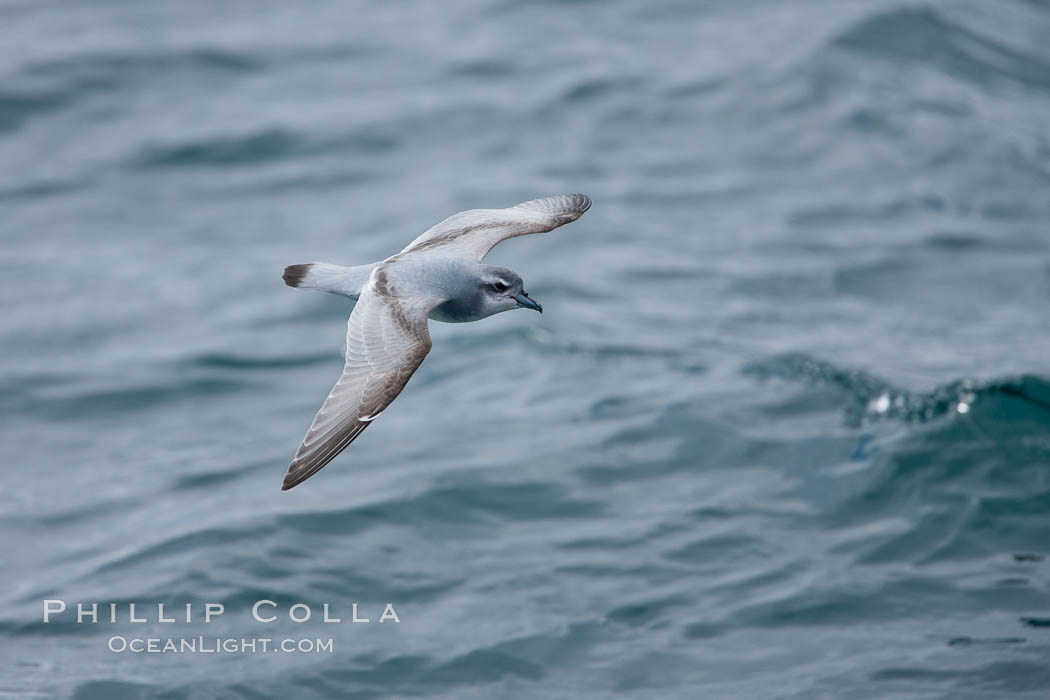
[347, 281]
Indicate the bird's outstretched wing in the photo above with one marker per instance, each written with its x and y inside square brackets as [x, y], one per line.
[386, 340]
[473, 233]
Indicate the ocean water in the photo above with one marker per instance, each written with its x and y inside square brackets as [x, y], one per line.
[783, 430]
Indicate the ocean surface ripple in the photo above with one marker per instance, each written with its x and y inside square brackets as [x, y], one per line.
[783, 430]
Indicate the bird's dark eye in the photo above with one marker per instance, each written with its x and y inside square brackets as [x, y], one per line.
[499, 286]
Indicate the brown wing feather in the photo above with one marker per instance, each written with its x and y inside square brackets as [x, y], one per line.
[386, 340]
[473, 233]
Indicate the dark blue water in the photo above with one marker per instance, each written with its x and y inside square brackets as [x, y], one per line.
[782, 431]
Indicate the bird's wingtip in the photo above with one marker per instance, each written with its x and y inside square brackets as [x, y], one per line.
[292, 479]
[583, 202]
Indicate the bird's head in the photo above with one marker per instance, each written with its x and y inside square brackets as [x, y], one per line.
[502, 290]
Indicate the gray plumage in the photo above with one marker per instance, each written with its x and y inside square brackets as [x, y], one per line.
[440, 275]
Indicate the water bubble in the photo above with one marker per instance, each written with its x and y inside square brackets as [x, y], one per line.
[881, 404]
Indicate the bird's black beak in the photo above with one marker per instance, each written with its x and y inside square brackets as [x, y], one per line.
[523, 300]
